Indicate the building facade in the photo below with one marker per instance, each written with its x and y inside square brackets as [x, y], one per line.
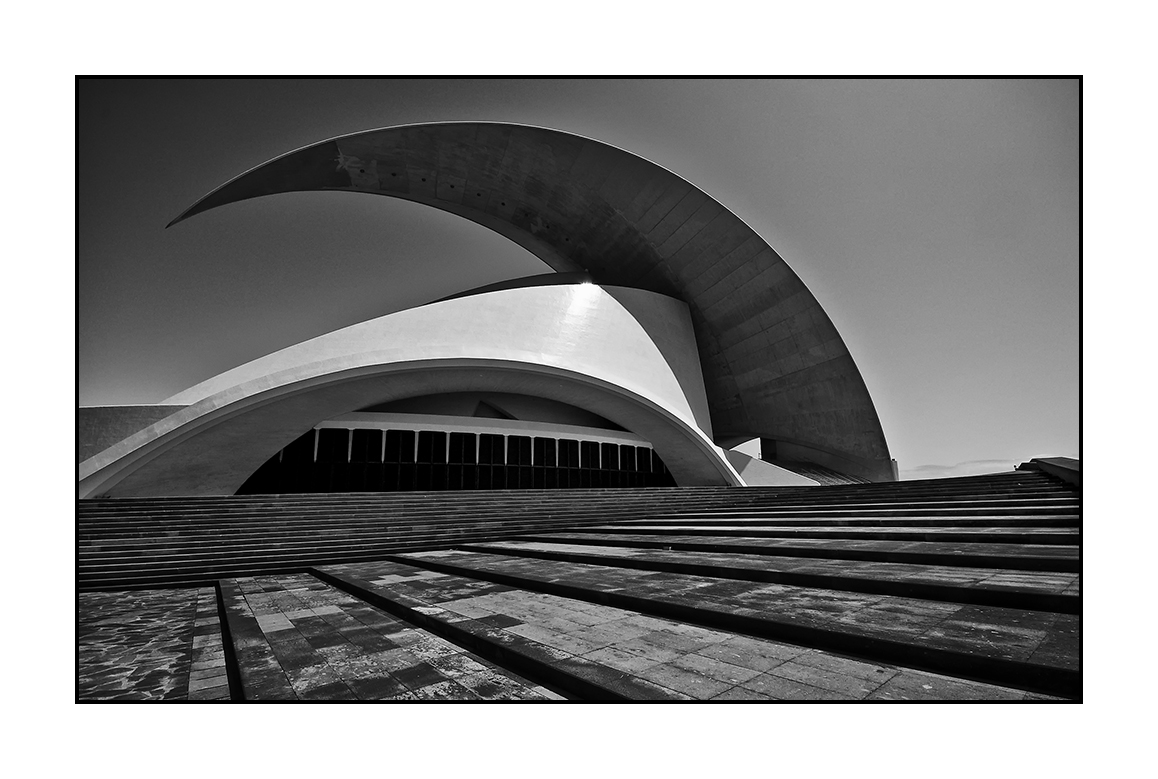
[669, 333]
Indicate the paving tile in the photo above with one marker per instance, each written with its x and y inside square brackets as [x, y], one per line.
[418, 675]
[570, 644]
[396, 659]
[751, 653]
[847, 666]
[852, 687]
[621, 659]
[714, 668]
[308, 678]
[448, 690]
[742, 694]
[917, 685]
[206, 682]
[784, 689]
[335, 691]
[455, 665]
[695, 685]
[500, 620]
[493, 686]
[677, 643]
[601, 636]
[373, 688]
[211, 694]
[637, 646]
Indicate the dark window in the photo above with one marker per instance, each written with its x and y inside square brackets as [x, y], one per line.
[333, 445]
[491, 449]
[425, 446]
[462, 447]
[519, 450]
[626, 458]
[610, 457]
[399, 446]
[589, 451]
[657, 464]
[366, 446]
[643, 459]
[568, 453]
[406, 446]
[545, 452]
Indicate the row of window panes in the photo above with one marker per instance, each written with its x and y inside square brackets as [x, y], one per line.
[339, 445]
[285, 477]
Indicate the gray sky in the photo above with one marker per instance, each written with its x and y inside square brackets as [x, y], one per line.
[936, 222]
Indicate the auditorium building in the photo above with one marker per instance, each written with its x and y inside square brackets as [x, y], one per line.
[668, 333]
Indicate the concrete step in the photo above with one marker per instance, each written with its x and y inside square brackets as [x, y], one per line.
[758, 520]
[999, 535]
[1033, 591]
[190, 570]
[602, 652]
[541, 499]
[798, 504]
[144, 532]
[1022, 558]
[1029, 650]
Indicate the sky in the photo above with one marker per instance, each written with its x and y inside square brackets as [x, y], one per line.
[937, 222]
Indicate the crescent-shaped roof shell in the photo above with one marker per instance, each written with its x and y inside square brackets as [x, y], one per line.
[774, 365]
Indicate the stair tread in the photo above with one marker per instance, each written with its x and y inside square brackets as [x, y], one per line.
[960, 549]
[1041, 582]
[1007, 638]
[637, 656]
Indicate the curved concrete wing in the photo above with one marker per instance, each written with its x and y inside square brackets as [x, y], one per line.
[773, 363]
[577, 344]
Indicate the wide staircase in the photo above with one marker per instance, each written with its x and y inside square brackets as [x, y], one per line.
[962, 588]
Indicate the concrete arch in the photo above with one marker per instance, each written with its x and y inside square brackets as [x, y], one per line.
[774, 365]
[212, 447]
[577, 344]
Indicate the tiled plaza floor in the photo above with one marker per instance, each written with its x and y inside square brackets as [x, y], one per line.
[150, 645]
[298, 638]
[671, 659]
[985, 631]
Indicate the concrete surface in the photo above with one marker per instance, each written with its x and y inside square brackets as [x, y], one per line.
[99, 427]
[575, 344]
[774, 365]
